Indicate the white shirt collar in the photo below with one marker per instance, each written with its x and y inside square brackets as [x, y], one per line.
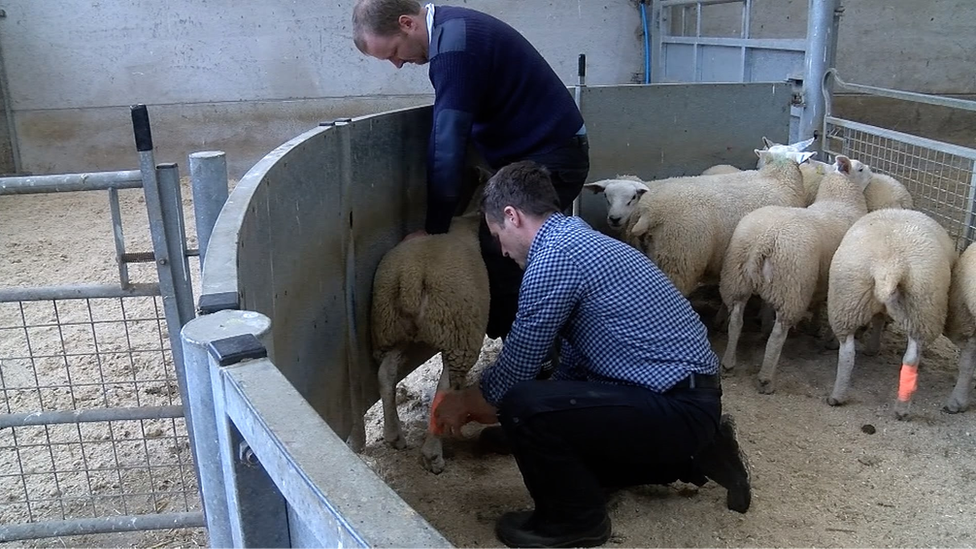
[430, 23]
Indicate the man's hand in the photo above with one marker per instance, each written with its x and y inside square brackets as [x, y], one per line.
[456, 408]
[415, 234]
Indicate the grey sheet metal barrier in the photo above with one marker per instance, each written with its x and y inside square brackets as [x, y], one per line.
[941, 177]
[290, 263]
[146, 481]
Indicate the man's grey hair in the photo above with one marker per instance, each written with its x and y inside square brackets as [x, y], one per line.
[524, 185]
[379, 18]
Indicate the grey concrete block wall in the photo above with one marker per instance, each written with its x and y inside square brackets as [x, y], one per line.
[245, 76]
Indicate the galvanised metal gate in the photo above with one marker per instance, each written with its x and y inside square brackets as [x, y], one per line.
[705, 41]
[941, 177]
[93, 437]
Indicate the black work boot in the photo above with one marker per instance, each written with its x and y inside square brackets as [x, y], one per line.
[524, 529]
[724, 462]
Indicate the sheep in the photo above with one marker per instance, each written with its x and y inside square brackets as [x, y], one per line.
[721, 168]
[893, 262]
[687, 225]
[622, 194]
[430, 295]
[961, 327]
[782, 254]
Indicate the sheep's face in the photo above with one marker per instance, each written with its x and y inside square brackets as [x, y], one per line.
[622, 196]
[859, 172]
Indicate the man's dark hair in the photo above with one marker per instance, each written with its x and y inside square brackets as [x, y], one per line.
[524, 185]
[379, 18]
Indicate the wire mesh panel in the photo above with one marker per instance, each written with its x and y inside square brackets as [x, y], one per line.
[107, 363]
[939, 176]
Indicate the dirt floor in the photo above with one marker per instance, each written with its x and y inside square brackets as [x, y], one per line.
[819, 479]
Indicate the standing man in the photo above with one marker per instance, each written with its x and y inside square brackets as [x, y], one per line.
[637, 397]
[491, 86]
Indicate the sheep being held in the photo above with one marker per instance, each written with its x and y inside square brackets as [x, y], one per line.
[430, 295]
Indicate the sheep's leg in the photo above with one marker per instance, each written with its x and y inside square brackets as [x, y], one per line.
[845, 366]
[873, 344]
[735, 331]
[774, 346]
[909, 374]
[433, 449]
[767, 316]
[959, 399]
[389, 369]
[721, 316]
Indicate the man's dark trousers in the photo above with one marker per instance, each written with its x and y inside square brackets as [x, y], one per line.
[569, 166]
[574, 440]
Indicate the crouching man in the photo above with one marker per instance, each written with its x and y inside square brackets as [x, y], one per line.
[636, 398]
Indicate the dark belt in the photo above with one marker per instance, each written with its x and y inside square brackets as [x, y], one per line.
[698, 381]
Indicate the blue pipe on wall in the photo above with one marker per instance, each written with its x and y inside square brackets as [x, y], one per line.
[647, 44]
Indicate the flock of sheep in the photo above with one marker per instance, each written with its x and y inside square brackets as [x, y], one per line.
[798, 233]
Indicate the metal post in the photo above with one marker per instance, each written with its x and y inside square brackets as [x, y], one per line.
[658, 28]
[581, 81]
[196, 338]
[208, 177]
[969, 232]
[821, 48]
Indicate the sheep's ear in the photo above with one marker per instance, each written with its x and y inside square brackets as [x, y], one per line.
[843, 164]
[802, 145]
[767, 143]
[483, 174]
[641, 189]
[596, 187]
[804, 156]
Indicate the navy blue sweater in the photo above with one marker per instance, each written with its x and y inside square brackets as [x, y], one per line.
[490, 84]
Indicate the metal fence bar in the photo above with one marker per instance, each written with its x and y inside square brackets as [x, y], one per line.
[948, 148]
[90, 415]
[669, 3]
[113, 204]
[75, 527]
[78, 291]
[971, 213]
[937, 100]
[93, 181]
[208, 180]
[750, 43]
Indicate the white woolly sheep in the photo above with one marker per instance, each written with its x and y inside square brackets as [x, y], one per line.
[687, 225]
[783, 254]
[961, 327]
[721, 168]
[892, 262]
[622, 194]
[430, 295]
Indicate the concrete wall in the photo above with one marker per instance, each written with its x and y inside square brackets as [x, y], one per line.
[245, 76]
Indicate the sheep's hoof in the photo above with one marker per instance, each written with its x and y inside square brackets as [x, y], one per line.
[766, 386]
[434, 464]
[954, 407]
[727, 368]
[900, 415]
[834, 401]
[396, 441]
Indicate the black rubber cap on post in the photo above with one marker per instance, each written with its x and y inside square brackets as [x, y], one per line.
[232, 350]
[140, 126]
[582, 64]
[211, 303]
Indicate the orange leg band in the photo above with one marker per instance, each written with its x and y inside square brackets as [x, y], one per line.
[907, 382]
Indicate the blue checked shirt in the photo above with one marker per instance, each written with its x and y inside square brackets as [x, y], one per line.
[620, 318]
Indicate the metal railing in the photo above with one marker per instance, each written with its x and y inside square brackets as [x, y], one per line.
[93, 435]
[941, 177]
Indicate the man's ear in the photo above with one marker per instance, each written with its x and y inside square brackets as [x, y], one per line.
[513, 216]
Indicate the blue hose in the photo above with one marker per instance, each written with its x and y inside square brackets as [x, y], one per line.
[647, 45]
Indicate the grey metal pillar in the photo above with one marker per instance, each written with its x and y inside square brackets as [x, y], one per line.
[197, 338]
[208, 177]
[581, 75]
[822, 23]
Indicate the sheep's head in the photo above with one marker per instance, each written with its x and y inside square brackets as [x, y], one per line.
[622, 195]
[781, 153]
[858, 172]
[797, 147]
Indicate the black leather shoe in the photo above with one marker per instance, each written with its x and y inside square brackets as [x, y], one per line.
[725, 463]
[493, 440]
[521, 529]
